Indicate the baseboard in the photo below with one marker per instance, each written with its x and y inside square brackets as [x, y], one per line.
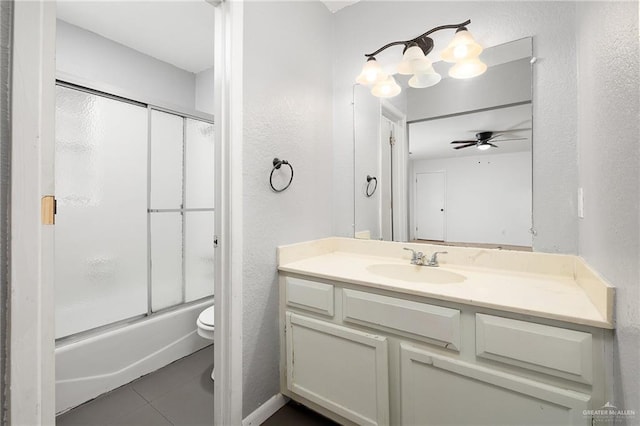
[265, 411]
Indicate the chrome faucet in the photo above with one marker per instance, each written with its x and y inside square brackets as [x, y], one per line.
[417, 257]
[434, 258]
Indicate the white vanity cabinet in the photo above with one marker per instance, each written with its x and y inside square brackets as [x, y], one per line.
[363, 355]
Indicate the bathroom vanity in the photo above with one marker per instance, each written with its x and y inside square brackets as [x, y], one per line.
[487, 337]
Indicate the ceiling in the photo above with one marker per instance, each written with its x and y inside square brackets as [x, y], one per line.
[432, 138]
[336, 5]
[179, 32]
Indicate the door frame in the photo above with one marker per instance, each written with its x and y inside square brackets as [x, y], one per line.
[386, 179]
[399, 171]
[31, 345]
[414, 222]
[31, 387]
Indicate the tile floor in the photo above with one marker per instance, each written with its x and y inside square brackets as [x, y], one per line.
[180, 394]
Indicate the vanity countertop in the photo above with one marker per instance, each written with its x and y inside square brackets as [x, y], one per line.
[560, 287]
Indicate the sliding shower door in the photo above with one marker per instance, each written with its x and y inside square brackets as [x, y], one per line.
[135, 219]
[180, 209]
[101, 221]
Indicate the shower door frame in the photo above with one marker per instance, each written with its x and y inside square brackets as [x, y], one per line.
[73, 82]
[31, 345]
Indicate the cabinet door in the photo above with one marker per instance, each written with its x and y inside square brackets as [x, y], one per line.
[437, 390]
[343, 370]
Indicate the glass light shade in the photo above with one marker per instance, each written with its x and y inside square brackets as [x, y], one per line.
[483, 146]
[468, 69]
[386, 89]
[371, 73]
[463, 46]
[413, 59]
[420, 81]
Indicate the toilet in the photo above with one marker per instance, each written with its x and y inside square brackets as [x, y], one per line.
[205, 323]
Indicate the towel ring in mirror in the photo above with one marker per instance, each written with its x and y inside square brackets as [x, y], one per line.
[370, 191]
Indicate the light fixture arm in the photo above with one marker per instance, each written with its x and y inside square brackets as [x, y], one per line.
[424, 42]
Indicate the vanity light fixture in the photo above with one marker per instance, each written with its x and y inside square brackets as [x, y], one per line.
[463, 50]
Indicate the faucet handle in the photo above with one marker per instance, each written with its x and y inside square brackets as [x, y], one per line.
[434, 257]
[415, 253]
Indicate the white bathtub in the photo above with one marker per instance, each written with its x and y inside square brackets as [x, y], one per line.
[95, 365]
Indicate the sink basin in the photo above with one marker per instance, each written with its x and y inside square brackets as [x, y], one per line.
[416, 274]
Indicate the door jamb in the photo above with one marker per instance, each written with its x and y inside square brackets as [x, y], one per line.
[400, 171]
[31, 343]
[228, 283]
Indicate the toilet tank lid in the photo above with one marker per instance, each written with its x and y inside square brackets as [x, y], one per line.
[207, 316]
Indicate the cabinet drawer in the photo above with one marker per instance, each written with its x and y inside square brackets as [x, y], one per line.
[309, 295]
[551, 350]
[434, 324]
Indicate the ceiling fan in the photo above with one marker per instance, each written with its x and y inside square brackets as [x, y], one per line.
[483, 140]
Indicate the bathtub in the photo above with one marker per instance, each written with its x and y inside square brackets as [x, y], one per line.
[99, 363]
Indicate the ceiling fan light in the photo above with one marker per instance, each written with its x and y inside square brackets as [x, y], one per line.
[371, 73]
[483, 146]
[387, 88]
[420, 81]
[462, 47]
[468, 68]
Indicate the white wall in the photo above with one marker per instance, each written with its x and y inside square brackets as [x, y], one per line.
[487, 197]
[287, 114]
[93, 57]
[204, 91]
[552, 24]
[502, 84]
[367, 135]
[609, 157]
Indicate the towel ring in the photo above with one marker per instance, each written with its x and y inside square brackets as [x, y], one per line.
[276, 165]
[370, 191]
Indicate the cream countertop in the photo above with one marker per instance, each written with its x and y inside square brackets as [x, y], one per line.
[559, 287]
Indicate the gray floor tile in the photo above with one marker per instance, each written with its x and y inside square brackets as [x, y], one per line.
[189, 405]
[200, 361]
[144, 416]
[159, 383]
[103, 409]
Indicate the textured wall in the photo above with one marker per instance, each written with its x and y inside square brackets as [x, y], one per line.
[358, 30]
[5, 170]
[287, 114]
[609, 156]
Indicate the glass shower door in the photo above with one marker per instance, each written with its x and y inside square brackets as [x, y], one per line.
[181, 210]
[135, 220]
[101, 222]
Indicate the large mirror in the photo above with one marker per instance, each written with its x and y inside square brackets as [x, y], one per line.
[452, 163]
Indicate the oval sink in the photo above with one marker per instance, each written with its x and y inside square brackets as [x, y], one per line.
[416, 274]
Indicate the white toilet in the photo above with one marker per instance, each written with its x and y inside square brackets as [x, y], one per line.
[205, 323]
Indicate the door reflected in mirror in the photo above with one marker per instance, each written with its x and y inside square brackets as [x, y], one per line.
[453, 162]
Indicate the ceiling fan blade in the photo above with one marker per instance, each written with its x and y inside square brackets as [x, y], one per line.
[511, 139]
[489, 143]
[491, 138]
[471, 141]
[465, 146]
